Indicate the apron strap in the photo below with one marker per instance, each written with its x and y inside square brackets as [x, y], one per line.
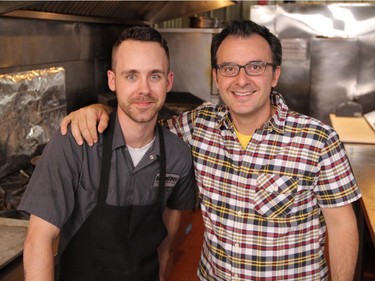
[163, 172]
[106, 158]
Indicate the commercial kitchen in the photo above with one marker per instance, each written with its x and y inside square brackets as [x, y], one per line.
[54, 56]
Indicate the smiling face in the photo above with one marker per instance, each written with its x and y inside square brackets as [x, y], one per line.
[141, 79]
[246, 96]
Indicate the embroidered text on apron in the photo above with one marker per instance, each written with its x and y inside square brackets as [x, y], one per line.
[117, 243]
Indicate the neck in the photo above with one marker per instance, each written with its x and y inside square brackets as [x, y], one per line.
[136, 134]
[247, 124]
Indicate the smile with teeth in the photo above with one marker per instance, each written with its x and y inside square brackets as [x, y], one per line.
[243, 94]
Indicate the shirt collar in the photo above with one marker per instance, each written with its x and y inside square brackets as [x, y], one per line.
[119, 140]
[277, 121]
[223, 117]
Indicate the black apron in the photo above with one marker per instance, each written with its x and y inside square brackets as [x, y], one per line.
[117, 242]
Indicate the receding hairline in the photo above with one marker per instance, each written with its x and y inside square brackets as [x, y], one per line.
[116, 48]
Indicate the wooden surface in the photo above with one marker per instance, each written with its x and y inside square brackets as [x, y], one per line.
[12, 233]
[362, 160]
[353, 129]
[359, 140]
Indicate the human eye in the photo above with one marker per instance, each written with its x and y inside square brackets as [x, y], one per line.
[254, 67]
[131, 77]
[229, 69]
[155, 77]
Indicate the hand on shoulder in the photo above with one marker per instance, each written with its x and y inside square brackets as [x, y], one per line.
[86, 122]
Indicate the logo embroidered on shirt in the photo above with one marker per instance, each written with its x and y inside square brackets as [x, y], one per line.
[170, 180]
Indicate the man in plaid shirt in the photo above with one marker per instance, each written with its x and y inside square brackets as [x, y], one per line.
[273, 183]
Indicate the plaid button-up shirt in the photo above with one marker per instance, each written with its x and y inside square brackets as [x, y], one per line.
[261, 206]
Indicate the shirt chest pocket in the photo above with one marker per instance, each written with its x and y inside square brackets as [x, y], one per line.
[275, 195]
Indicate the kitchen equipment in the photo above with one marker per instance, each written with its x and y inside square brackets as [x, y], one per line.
[203, 22]
[349, 109]
[35, 160]
[191, 61]
[328, 54]
[12, 233]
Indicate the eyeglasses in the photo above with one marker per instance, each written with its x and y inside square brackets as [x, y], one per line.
[253, 68]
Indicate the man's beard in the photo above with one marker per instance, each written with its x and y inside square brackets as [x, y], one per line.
[140, 115]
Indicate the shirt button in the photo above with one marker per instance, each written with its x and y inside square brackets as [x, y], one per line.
[152, 157]
[239, 213]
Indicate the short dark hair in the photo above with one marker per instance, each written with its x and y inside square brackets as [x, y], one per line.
[140, 33]
[244, 29]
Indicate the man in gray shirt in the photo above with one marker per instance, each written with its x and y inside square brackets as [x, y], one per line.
[116, 206]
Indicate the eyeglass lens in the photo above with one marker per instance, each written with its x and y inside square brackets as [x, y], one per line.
[252, 68]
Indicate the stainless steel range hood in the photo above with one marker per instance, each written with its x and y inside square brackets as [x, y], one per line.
[111, 12]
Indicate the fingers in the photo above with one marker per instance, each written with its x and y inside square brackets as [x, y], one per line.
[76, 131]
[64, 125]
[103, 123]
[71, 119]
[84, 123]
[87, 120]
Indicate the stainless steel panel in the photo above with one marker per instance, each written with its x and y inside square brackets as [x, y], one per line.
[295, 74]
[84, 50]
[366, 66]
[340, 70]
[333, 79]
[28, 42]
[190, 60]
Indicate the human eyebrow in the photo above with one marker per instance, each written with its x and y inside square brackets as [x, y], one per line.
[233, 63]
[157, 71]
[129, 71]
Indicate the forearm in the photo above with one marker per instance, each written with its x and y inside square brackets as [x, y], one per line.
[164, 254]
[38, 261]
[38, 253]
[343, 244]
[343, 252]
[171, 220]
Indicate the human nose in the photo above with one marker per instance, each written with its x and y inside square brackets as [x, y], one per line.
[242, 77]
[144, 86]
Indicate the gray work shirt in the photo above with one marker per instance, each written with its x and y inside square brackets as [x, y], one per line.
[63, 188]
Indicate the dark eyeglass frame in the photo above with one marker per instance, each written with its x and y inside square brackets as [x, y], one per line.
[262, 64]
